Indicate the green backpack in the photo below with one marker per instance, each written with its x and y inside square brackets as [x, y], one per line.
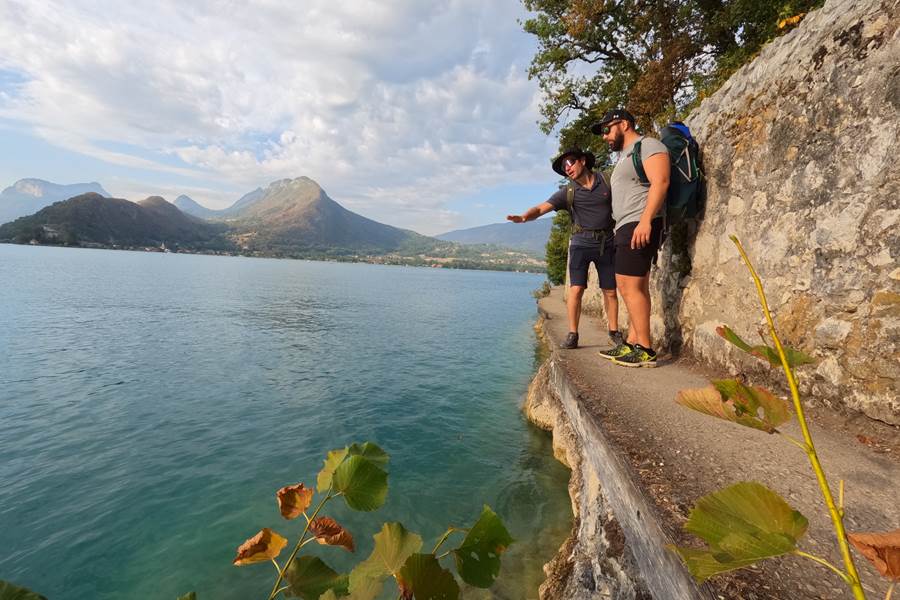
[684, 200]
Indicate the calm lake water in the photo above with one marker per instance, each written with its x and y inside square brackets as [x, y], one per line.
[152, 404]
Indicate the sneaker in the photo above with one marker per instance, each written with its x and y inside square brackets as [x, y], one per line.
[616, 337]
[617, 352]
[571, 341]
[638, 357]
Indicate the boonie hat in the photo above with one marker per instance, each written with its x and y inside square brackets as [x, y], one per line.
[589, 159]
[616, 114]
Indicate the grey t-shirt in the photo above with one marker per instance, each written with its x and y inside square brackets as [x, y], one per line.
[629, 196]
[592, 208]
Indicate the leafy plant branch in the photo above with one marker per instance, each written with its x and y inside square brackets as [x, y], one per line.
[836, 516]
[747, 522]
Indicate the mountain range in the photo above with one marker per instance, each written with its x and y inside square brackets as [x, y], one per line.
[28, 196]
[92, 219]
[288, 218]
[530, 237]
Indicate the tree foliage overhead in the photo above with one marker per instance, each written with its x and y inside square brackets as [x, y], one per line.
[655, 57]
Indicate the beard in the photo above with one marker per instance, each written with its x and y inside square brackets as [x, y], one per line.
[618, 142]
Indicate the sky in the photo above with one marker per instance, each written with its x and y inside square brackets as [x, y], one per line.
[416, 114]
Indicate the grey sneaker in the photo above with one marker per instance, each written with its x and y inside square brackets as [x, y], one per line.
[571, 341]
[617, 338]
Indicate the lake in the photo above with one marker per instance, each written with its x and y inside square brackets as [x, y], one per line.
[151, 405]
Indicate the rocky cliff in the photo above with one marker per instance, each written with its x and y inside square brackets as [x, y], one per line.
[800, 148]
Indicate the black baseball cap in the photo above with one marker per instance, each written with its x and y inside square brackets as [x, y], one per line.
[616, 114]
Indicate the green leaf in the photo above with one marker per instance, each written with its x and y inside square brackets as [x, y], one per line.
[754, 402]
[767, 353]
[363, 484]
[188, 596]
[371, 452]
[742, 524]
[329, 595]
[478, 557]
[423, 578]
[9, 591]
[393, 545]
[796, 357]
[334, 458]
[731, 400]
[310, 578]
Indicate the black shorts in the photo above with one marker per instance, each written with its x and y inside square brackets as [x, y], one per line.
[636, 262]
[580, 259]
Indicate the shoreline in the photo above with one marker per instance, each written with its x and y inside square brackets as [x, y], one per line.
[326, 259]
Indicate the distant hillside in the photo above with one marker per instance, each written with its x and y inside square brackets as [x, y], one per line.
[27, 196]
[297, 215]
[93, 219]
[187, 205]
[243, 202]
[292, 218]
[531, 236]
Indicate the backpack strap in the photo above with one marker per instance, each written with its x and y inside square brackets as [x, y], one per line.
[570, 198]
[638, 163]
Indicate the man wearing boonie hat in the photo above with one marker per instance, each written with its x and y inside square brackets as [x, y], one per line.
[637, 210]
[589, 205]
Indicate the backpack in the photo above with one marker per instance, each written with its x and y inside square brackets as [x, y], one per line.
[684, 200]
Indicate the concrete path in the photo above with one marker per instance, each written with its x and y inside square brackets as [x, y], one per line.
[680, 455]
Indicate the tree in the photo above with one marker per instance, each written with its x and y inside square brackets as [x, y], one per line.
[655, 57]
[558, 247]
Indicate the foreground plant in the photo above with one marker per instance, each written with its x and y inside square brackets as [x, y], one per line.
[747, 522]
[358, 474]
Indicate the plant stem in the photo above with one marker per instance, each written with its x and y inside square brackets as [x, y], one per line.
[890, 591]
[836, 516]
[444, 538]
[793, 440]
[822, 561]
[275, 591]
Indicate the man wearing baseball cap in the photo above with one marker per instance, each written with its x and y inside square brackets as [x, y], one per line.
[592, 236]
[637, 210]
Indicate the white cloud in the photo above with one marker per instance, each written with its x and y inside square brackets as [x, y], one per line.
[394, 107]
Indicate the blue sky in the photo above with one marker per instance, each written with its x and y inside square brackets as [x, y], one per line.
[416, 114]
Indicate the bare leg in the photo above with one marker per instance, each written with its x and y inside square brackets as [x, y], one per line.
[611, 306]
[573, 306]
[635, 293]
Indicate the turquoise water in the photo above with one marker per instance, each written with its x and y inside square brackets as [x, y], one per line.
[152, 404]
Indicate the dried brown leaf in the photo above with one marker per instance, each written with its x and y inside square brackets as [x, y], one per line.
[293, 500]
[263, 546]
[882, 550]
[329, 532]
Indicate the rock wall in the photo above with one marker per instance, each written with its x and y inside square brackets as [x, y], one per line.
[800, 148]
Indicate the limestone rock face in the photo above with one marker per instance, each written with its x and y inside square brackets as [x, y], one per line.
[800, 148]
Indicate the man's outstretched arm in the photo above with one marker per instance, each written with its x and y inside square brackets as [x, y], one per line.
[531, 214]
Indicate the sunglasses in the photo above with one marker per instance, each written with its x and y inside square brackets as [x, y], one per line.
[570, 162]
[607, 128]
